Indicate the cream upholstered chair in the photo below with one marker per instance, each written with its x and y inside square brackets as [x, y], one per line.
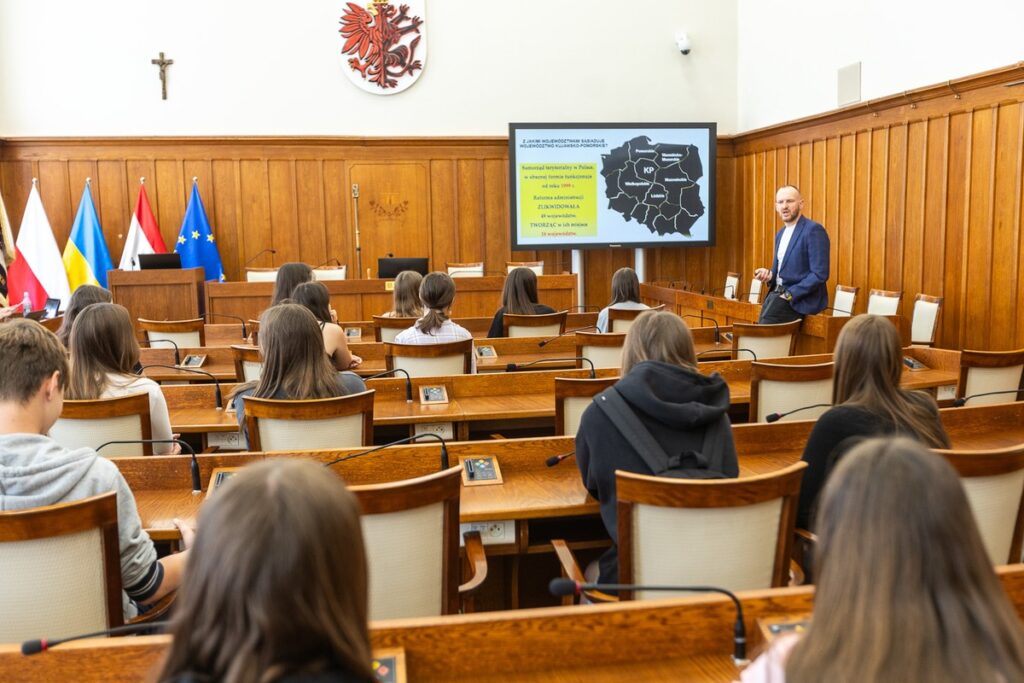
[603, 350]
[994, 483]
[572, 396]
[341, 422]
[733, 533]
[990, 371]
[430, 360]
[61, 569]
[261, 274]
[926, 319]
[466, 269]
[883, 302]
[760, 342]
[334, 273]
[843, 301]
[621, 319]
[536, 266]
[90, 424]
[732, 285]
[754, 295]
[248, 362]
[386, 328]
[782, 388]
[184, 333]
[543, 325]
[412, 548]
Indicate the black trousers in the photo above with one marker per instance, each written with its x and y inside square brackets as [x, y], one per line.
[776, 310]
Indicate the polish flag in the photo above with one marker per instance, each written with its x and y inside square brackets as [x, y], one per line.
[143, 235]
[37, 268]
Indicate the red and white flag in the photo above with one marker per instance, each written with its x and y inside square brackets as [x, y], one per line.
[143, 235]
[37, 268]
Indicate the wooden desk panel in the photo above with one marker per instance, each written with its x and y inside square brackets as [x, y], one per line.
[176, 294]
[219, 362]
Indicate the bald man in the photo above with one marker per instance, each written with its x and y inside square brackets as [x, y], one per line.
[799, 273]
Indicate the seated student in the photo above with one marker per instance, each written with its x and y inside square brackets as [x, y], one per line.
[683, 411]
[294, 364]
[84, 296]
[407, 296]
[315, 297]
[290, 276]
[299, 615]
[36, 471]
[437, 293]
[906, 590]
[867, 401]
[625, 295]
[518, 297]
[104, 354]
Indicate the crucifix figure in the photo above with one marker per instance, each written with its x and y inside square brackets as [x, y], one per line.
[163, 64]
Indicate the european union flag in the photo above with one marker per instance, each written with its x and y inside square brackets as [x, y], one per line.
[195, 241]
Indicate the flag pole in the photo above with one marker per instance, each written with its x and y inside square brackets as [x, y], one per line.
[355, 210]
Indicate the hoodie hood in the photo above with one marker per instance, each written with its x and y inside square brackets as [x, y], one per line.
[675, 396]
[35, 470]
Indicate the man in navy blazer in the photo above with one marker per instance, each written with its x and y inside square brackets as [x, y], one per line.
[796, 281]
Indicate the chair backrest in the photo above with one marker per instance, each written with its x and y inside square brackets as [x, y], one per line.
[466, 269]
[385, 329]
[926, 319]
[843, 301]
[764, 341]
[572, 396]
[732, 285]
[90, 424]
[61, 569]
[603, 350]
[733, 533]
[248, 362]
[987, 371]
[341, 422]
[994, 483]
[261, 274]
[621, 319]
[544, 325]
[536, 266]
[754, 296]
[336, 273]
[430, 360]
[782, 388]
[883, 302]
[182, 332]
[254, 331]
[411, 529]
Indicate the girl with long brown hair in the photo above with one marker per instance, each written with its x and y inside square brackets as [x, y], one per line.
[289, 276]
[276, 590]
[407, 302]
[625, 295]
[518, 297]
[84, 296]
[437, 293]
[867, 401]
[104, 354]
[315, 297]
[906, 590]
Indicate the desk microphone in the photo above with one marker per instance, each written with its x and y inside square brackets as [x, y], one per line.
[547, 341]
[555, 459]
[722, 290]
[512, 367]
[245, 331]
[562, 587]
[34, 647]
[960, 402]
[408, 381]
[328, 262]
[775, 417]
[837, 310]
[265, 251]
[197, 483]
[718, 332]
[177, 351]
[216, 384]
[720, 351]
[444, 449]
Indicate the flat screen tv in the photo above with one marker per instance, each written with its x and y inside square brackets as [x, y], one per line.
[390, 267]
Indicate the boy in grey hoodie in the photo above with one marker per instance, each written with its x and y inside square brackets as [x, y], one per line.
[36, 471]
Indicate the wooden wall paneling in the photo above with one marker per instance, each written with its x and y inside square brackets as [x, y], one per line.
[895, 213]
[977, 280]
[1019, 202]
[847, 200]
[443, 198]
[112, 205]
[805, 174]
[56, 195]
[223, 214]
[1005, 237]
[284, 224]
[496, 219]
[16, 183]
[912, 244]
[311, 222]
[173, 192]
[831, 171]
[254, 225]
[861, 216]
[470, 210]
[878, 170]
[935, 191]
[339, 235]
[957, 183]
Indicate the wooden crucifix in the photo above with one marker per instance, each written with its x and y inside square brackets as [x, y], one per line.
[163, 64]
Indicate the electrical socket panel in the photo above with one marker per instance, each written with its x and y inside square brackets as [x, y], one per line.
[445, 430]
[501, 532]
[946, 393]
[228, 441]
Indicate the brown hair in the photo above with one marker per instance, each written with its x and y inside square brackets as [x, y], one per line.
[437, 292]
[84, 296]
[906, 590]
[868, 367]
[276, 583]
[407, 295]
[519, 295]
[315, 297]
[295, 362]
[625, 286]
[658, 335]
[102, 341]
[31, 354]
[289, 276]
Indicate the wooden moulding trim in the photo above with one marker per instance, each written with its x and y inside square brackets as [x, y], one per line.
[265, 141]
[375, 499]
[708, 493]
[788, 372]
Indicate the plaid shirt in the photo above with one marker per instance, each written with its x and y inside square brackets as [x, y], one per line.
[448, 332]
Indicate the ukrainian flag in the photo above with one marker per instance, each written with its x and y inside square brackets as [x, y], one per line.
[86, 258]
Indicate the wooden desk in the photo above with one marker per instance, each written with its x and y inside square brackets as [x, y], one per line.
[219, 362]
[160, 294]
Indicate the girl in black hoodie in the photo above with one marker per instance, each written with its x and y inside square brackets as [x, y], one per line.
[686, 413]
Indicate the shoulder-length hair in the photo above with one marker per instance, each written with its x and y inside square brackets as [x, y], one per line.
[315, 297]
[868, 366]
[407, 295]
[519, 295]
[276, 582]
[437, 292]
[295, 362]
[625, 286]
[102, 342]
[289, 276]
[906, 590]
[84, 296]
[661, 336]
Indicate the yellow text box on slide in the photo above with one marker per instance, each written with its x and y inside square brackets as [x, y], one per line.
[558, 200]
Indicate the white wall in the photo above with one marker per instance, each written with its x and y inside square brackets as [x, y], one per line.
[267, 67]
[789, 52]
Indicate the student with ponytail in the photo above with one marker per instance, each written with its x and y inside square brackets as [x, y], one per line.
[437, 292]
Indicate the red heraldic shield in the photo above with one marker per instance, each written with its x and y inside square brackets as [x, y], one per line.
[387, 44]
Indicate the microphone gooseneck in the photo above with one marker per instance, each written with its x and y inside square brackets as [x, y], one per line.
[217, 396]
[444, 449]
[513, 367]
[555, 459]
[34, 647]
[197, 482]
[775, 417]
[245, 331]
[408, 381]
[258, 254]
[177, 351]
[328, 262]
[547, 341]
[962, 401]
[718, 332]
[720, 351]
